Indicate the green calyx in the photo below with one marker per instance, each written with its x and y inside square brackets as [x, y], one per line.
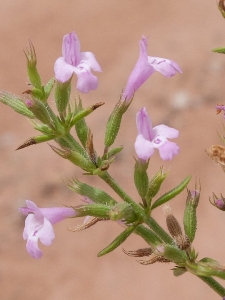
[123, 211]
[95, 194]
[114, 121]
[62, 95]
[141, 177]
[190, 217]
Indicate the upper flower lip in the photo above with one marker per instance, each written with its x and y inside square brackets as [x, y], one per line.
[80, 63]
[145, 67]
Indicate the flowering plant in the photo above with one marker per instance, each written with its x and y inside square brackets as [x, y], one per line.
[175, 247]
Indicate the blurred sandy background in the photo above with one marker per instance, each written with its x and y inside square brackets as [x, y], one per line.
[184, 31]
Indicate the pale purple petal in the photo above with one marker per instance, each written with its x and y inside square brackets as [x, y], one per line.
[144, 124]
[63, 71]
[168, 150]
[57, 214]
[89, 59]
[145, 67]
[86, 81]
[166, 67]
[143, 148]
[32, 247]
[71, 49]
[38, 225]
[166, 131]
[46, 233]
[74, 61]
[141, 72]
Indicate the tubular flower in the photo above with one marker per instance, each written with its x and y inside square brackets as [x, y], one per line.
[145, 67]
[80, 63]
[150, 138]
[38, 225]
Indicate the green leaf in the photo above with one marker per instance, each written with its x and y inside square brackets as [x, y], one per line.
[118, 240]
[172, 193]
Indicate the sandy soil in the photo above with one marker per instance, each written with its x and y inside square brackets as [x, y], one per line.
[184, 31]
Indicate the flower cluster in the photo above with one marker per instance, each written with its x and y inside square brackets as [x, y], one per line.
[39, 221]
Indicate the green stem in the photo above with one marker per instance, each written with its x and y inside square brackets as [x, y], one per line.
[218, 288]
[112, 183]
[159, 230]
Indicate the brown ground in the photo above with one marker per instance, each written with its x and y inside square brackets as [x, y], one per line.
[184, 31]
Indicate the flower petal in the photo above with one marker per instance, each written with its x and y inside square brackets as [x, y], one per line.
[86, 80]
[89, 59]
[32, 247]
[168, 150]
[166, 67]
[46, 233]
[57, 214]
[166, 131]
[63, 71]
[141, 72]
[144, 124]
[143, 148]
[71, 49]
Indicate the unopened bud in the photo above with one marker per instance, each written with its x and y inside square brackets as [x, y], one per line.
[190, 217]
[113, 124]
[38, 109]
[32, 72]
[155, 184]
[95, 194]
[218, 202]
[16, 104]
[62, 95]
[141, 177]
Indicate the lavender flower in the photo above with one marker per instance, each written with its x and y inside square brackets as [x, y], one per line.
[145, 67]
[149, 138]
[38, 225]
[80, 63]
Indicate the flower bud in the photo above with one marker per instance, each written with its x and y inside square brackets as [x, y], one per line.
[95, 194]
[62, 95]
[113, 124]
[16, 104]
[155, 184]
[38, 109]
[32, 72]
[190, 218]
[218, 202]
[141, 177]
